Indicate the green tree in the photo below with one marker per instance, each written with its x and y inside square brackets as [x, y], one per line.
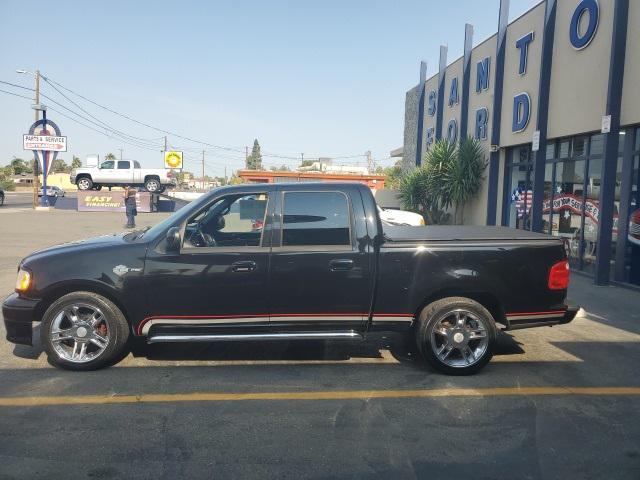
[109, 156]
[76, 162]
[450, 176]
[19, 166]
[281, 168]
[59, 166]
[392, 175]
[421, 189]
[254, 161]
[464, 176]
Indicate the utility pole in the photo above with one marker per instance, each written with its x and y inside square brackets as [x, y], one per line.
[203, 170]
[120, 153]
[165, 143]
[301, 159]
[225, 174]
[36, 164]
[246, 157]
[369, 161]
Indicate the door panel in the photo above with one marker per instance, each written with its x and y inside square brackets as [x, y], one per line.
[312, 286]
[213, 283]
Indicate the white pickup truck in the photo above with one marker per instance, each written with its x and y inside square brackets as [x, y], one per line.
[111, 173]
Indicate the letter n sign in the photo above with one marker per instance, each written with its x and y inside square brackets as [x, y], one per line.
[579, 39]
[521, 112]
[482, 75]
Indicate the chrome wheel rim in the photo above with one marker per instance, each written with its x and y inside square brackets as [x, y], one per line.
[79, 333]
[460, 338]
[83, 184]
[152, 185]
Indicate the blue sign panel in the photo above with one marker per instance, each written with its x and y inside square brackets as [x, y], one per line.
[431, 109]
[482, 76]
[521, 112]
[578, 40]
[522, 44]
[482, 117]
[453, 92]
[452, 130]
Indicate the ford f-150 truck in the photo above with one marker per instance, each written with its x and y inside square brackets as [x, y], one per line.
[286, 262]
[111, 173]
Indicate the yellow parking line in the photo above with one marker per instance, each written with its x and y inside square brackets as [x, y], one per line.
[326, 395]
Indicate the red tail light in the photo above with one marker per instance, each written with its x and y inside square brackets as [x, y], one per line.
[559, 276]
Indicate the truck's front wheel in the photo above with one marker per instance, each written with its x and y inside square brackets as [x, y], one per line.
[85, 183]
[84, 331]
[456, 335]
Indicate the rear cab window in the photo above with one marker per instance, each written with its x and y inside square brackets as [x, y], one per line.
[316, 219]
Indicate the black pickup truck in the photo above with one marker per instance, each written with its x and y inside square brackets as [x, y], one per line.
[284, 262]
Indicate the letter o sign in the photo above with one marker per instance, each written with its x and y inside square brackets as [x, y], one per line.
[578, 40]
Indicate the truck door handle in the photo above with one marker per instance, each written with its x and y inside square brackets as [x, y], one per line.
[248, 266]
[340, 264]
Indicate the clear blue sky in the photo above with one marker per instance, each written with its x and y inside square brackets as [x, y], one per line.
[324, 78]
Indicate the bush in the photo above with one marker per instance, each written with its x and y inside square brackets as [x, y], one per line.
[451, 175]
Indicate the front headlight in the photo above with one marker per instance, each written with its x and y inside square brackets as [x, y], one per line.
[23, 282]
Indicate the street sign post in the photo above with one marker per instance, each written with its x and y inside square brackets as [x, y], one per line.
[44, 137]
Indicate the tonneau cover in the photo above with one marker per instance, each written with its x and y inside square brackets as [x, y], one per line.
[436, 233]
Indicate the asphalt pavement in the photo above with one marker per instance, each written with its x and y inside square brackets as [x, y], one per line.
[557, 402]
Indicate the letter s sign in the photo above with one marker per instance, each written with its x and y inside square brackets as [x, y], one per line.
[579, 39]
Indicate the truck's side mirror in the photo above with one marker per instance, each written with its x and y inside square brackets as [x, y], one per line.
[173, 239]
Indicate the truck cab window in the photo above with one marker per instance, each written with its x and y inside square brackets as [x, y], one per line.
[124, 165]
[108, 164]
[316, 218]
[232, 221]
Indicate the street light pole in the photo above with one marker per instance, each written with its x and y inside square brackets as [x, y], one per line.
[36, 164]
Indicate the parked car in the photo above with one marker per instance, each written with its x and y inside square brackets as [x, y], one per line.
[111, 173]
[286, 262]
[52, 191]
[400, 217]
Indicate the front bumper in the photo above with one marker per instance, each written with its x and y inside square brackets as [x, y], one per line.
[18, 313]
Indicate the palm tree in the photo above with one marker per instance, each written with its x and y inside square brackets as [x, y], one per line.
[464, 176]
[109, 156]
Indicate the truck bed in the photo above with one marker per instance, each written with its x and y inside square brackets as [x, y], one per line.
[437, 233]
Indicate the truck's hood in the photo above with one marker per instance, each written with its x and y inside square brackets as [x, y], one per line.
[77, 245]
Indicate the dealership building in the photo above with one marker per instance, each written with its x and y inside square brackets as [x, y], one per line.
[553, 96]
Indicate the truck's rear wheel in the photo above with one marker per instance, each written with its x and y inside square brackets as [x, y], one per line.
[152, 185]
[456, 335]
[84, 331]
[85, 183]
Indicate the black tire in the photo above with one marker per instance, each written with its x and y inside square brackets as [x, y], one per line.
[152, 185]
[440, 310]
[84, 183]
[116, 324]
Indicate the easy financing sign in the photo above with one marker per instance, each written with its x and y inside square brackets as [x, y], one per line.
[46, 143]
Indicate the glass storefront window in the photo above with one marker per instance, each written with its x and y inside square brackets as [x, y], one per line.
[519, 191]
[596, 145]
[563, 149]
[579, 147]
[547, 212]
[592, 214]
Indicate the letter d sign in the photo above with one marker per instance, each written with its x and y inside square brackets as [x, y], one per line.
[521, 112]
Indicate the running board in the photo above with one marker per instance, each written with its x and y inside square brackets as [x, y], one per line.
[163, 338]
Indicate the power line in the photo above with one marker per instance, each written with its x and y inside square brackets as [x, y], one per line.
[16, 94]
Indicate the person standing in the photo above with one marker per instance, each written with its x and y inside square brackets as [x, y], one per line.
[130, 206]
